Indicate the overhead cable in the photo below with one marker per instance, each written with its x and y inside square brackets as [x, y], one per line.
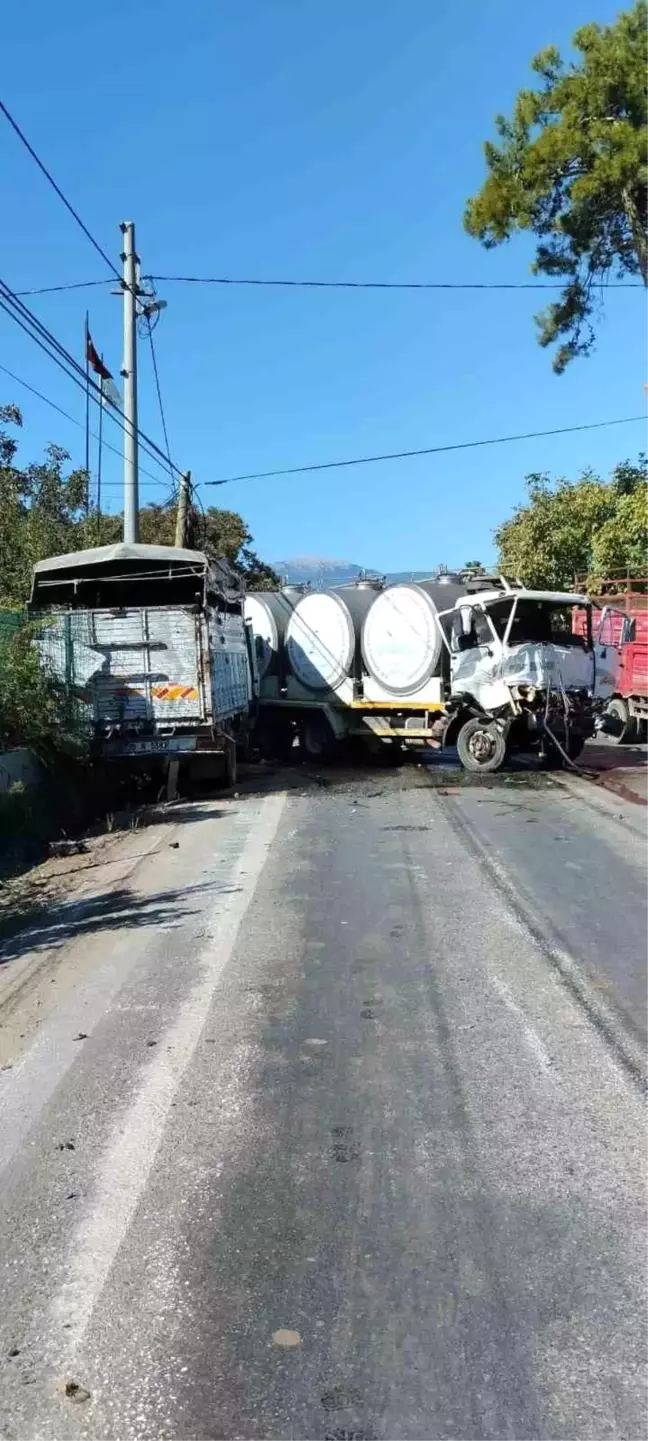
[48, 342]
[342, 284]
[159, 391]
[155, 480]
[48, 176]
[388, 284]
[427, 450]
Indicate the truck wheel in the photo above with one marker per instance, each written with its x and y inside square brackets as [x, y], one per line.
[481, 746]
[317, 739]
[623, 726]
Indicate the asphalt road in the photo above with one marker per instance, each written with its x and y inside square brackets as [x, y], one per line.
[323, 1119]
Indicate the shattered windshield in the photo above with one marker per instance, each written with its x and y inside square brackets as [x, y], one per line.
[549, 623]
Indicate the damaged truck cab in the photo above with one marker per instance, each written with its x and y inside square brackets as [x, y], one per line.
[522, 676]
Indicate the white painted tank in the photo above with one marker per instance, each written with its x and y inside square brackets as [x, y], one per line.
[322, 634]
[401, 644]
[268, 612]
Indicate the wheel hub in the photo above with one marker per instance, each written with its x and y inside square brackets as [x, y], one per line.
[482, 745]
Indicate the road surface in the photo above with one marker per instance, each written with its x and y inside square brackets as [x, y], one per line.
[323, 1117]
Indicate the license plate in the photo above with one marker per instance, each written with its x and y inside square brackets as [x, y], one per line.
[164, 745]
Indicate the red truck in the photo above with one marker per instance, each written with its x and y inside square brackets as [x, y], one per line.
[622, 636]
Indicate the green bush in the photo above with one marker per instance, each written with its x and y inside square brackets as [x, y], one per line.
[35, 711]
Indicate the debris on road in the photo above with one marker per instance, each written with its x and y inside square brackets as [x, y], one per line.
[73, 1391]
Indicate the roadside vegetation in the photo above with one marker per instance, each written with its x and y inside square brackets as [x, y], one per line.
[569, 167]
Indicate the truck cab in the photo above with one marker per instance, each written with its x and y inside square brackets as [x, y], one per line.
[522, 674]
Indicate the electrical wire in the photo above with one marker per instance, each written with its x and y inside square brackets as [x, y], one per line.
[159, 392]
[387, 284]
[342, 284]
[81, 384]
[54, 289]
[155, 480]
[44, 338]
[427, 450]
[49, 177]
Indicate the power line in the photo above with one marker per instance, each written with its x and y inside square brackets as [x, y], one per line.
[428, 450]
[54, 289]
[45, 339]
[72, 375]
[342, 284]
[155, 480]
[157, 387]
[48, 176]
[387, 284]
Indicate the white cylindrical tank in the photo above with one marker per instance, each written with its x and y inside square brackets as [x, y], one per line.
[401, 642]
[323, 632]
[268, 612]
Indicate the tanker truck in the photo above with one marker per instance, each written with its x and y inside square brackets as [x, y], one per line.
[363, 661]
[477, 663]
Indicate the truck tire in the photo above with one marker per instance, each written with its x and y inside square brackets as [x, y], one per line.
[317, 739]
[625, 725]
[481, 747]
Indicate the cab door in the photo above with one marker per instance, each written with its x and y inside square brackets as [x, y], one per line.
[608, 644]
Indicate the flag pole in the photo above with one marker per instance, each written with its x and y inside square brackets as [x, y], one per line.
[87, 411]
[101, 411]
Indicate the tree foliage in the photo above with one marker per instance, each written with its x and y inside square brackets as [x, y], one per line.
[586, 526]
[42, 510]
[570, 167]
[217, 533]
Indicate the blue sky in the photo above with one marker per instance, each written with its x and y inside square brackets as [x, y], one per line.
[297, 138]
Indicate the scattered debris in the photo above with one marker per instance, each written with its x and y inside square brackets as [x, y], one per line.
[15, 1351]
[151, 1043]
[174, 845]
[339, 1398]
[66, 1146]
[73, 1391]
[286, 1338]
[71, 1195]
[68, 848]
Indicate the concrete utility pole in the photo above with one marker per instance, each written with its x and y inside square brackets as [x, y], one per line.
[181, 516]
[129, 373]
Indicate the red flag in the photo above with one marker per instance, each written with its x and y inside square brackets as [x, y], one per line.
[93, 358]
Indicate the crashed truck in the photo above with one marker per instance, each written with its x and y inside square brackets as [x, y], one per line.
[152, 642]
[481, 663]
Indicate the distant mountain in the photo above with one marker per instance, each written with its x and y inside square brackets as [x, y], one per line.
[321, 572]
[316, 570]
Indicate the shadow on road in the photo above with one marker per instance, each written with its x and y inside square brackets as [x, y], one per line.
[113, 910]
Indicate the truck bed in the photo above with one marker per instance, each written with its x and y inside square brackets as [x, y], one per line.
[139, 667]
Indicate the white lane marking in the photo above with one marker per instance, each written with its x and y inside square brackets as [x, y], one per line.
[531, 1037]
[124, 1169]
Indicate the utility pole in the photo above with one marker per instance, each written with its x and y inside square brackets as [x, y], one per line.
[129, 373]
[181, 516]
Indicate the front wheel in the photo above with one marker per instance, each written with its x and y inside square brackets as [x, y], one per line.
[622, 726]
[317, 739]
[481, 746]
